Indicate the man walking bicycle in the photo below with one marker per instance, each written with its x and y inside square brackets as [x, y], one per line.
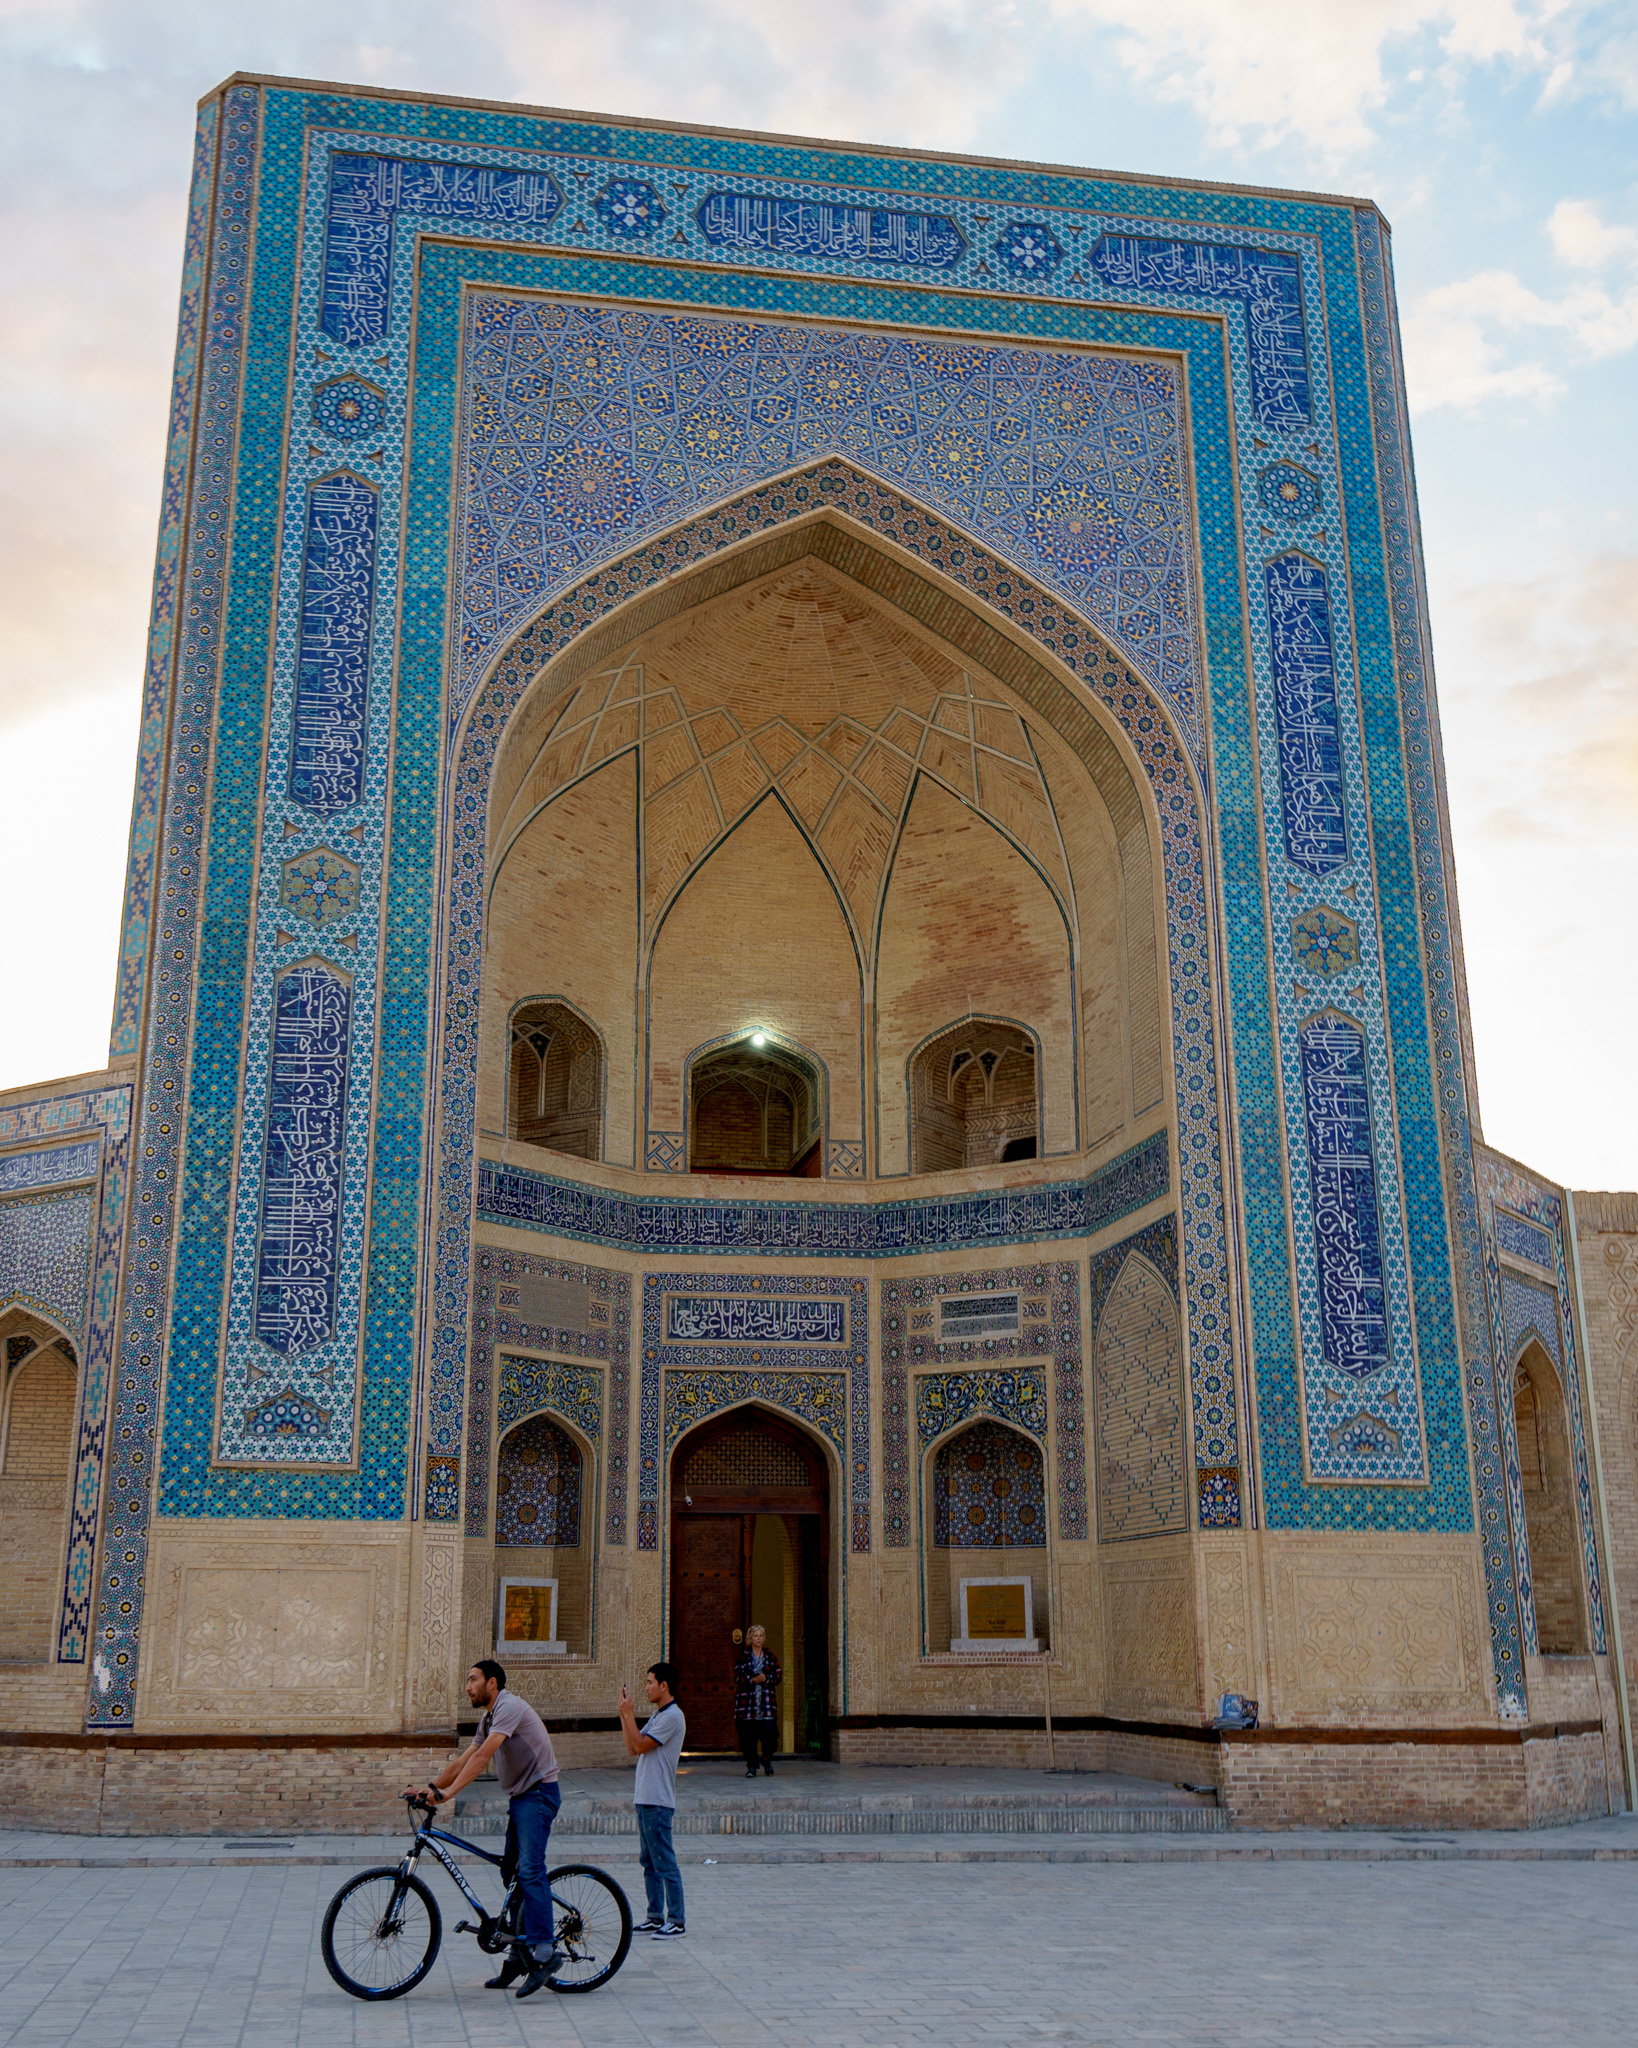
[513, 1737]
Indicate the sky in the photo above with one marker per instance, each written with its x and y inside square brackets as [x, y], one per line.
[1500, 138]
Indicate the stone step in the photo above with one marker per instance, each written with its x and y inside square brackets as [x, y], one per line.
[1084, 1818]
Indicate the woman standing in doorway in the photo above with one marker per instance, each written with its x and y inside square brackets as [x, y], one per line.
[756, 1715]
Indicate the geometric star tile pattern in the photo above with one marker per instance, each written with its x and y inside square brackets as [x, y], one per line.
[588, 426]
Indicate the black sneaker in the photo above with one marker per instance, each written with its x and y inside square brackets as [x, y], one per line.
[673, 1930]
[767, 1771]
[647, 1926]
[514, 1967]
[541, 1972]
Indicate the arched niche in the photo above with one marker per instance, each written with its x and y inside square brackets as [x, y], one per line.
[974, 1096]
[37, 1410]
[1139, 1408]
[913, 702]
[756, 1106]
[554, 1089]
[1546, 1474]
[985, 1521]
[546, 1524]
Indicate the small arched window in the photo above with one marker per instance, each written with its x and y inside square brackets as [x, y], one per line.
[973, 1098]
[755, 1109]
[555, 1092]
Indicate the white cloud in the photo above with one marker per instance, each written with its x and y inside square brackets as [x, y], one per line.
[1454, 351]
[1269, 71]
[1539, 693]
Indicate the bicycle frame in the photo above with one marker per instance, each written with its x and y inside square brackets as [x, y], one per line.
[429, 1837]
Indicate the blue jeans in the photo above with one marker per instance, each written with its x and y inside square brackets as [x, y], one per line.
[528, 1829]
[661, 1878]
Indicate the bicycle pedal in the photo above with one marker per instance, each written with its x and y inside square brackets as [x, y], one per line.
[467, 1927]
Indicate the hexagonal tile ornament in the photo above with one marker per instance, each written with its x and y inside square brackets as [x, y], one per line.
[1288, 492]
[320, 888]
[1030, 249]
[629, 208]
[347, 408]
[1324, 940]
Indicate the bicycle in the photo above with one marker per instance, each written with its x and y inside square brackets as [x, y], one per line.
[383, 1928]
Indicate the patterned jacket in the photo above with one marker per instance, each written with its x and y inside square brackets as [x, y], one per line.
[754, 1690]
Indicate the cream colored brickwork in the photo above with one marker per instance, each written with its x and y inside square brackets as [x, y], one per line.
[34, 1480]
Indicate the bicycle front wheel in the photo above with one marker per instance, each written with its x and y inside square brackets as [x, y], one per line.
[381, 1934]
[593, 1925]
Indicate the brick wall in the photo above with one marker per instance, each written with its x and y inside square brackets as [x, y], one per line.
[1538, 1783]
[33, 1502]
[124, 1786]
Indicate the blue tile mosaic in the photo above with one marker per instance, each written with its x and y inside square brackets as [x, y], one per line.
[1269, 283]
[751, 223]
[46, 1253]
[989, 1489]
[333, 663]
[1358, 459]
[1299, 621]
[1519, 1309]
[537, 1485]
[366, 195]
[48, 1169]
[1289, 493]
[347, 408]
[159, 681]
[630, 208]
[824, 1230]
[589, 426]
[530, 1302]
[301, 1181]
[701, 1378]
[1048, 1330]
[1524, 1240]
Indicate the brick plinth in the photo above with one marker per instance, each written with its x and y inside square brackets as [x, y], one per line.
[1501, 1780]
[128, 1785]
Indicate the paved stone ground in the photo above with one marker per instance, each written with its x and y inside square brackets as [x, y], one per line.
[951, 1955]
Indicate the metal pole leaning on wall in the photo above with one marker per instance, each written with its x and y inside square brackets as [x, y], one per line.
[1623, 1704]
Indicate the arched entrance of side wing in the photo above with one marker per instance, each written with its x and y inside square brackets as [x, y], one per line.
[750, 1543]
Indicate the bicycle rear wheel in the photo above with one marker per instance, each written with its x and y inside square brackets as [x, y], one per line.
[593, 1925]
[381, 1934]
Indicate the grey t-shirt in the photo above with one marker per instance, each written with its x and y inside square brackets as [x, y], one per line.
[524, 1760]
[657, 1768]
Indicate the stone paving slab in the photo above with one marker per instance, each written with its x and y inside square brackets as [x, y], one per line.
[707, 1785]
[1614, 1840]
[951, 1955]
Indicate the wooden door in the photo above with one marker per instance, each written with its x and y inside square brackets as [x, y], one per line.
[708, 1598]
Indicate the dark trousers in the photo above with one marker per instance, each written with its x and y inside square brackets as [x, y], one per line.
[528, 1829]
[662, 1880]
[755, 1736]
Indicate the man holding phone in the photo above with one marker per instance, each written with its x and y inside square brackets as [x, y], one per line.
[657, 1746]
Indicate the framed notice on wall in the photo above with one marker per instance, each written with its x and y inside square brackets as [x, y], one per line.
[528, 1619]
[997, 1614]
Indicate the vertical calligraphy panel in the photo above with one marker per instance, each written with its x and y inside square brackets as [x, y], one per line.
[333, 657]
[301, 1181]
[1305, 698]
